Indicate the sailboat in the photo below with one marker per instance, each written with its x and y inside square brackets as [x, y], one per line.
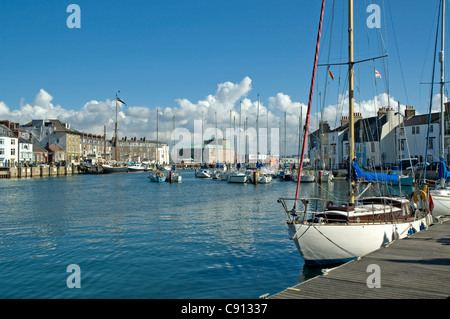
[116, 167]
[441, 195]
[339, 233]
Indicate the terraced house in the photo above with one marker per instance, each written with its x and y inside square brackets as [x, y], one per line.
[9, 152]
[54, 132]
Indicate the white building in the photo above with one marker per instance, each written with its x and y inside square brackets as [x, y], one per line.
[9, 147]
[25, 150]
[412, 138]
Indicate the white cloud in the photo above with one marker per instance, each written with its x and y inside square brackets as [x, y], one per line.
[140, 121]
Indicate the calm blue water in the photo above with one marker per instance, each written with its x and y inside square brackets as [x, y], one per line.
[135, 239]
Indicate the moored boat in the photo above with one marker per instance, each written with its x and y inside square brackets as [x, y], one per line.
[157, 177]
[114, 169]
[136, 168]
[202, 173]
[237, 177]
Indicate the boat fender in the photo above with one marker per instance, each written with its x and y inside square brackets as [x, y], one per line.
[411, 231]
[423, 195]
[329, 204]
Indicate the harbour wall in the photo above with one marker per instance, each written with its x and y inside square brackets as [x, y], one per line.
[37, 171]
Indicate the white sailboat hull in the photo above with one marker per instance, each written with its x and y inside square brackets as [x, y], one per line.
[202, 174]
[237, 178]
[327, 176]
[326, 244]
[308, 178]
[441, 201]
[264, 179]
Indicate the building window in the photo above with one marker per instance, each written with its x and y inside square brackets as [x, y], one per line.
[13, 151]
[2, 141]
[431, 128]
[417, 129]
[13, 142]
[430, 144]
[413, 130]
[372, 147]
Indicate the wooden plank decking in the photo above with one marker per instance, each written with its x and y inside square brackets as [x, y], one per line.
[414, 267]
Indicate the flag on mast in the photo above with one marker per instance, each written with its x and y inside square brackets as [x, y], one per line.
[377, 74]
[119, 100]
[330, 74]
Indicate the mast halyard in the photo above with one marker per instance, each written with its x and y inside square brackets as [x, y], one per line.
[351, 100]
[441, 60]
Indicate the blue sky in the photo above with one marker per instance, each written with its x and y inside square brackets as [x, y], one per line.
[159, 52]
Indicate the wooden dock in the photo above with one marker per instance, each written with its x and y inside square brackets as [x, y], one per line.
[411, 268]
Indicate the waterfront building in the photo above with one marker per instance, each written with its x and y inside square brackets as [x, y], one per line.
[40, 154]
[412, 136]
[142, 150]
[9, 147]
[25, 151]
[95, 147]
[374, 141]
[319, 146]
[56, 154]
[209, 152]
[54, 132]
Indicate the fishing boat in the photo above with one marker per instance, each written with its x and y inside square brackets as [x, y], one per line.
[334, 234]
[441, 195]
[157, 177]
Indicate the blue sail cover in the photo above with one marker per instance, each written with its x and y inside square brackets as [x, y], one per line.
[374, 177]
[443, 172]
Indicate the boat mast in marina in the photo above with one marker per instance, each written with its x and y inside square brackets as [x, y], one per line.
[116, 136]
[351, 100]
[334, 234]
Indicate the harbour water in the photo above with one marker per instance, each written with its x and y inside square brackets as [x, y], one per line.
[135, 239]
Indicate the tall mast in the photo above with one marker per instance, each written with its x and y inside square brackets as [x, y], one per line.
[257, 133]
[157, 138]
[351, 99]
[441, 60]
[116, 144]
[215, 137]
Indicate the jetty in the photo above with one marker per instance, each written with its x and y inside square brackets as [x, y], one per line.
[417, 267]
